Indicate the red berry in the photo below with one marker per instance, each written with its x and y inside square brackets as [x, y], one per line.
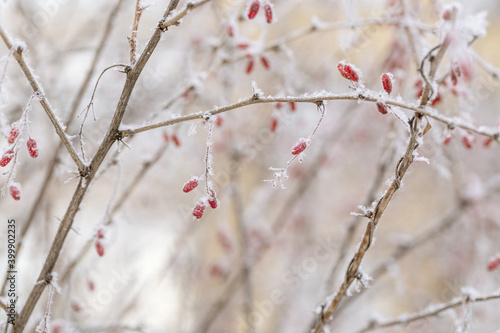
[217, 270]
[91, 285]
[99, 247]
[165, 136]
[190, 184]
[447, 138]
[213, 199]
[15, 191]
[436, 100]
[348, 71]
[387, 79]
[494, 263]
[293, 106]
[76, 306]
[176, 140]
[446, 14]
[249, 68]
[254, 9]
[14, 132]
[242, 45]
[7, 157]
[467, 141]
[224, 241]
[487, 142]
[219, 121]
[101, 232]
[299, 147]
[382, 107]
[274, 124]
[278, 105]
[199, 209]
[32, 147]
[265, 62]
[269, 13]
[230, 31]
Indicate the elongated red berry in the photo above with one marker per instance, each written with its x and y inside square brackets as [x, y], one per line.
[493, 263]
[265, 62]
[293, 106]
[199, 209]
[254, 9]
[176, 140]
[32, 147]
[14, 132]
[15, 191]
[7, 157]
[348, 71]
[190, 184]
[299, 147]
[219, 121]
[101, 232]
[230, 31]
[487, 142]
[165, 136]
[447, 138]
[382, 107]
[99, 247]
[436, 100]
[268, 10]
[212, 201]
[91, 285]
[249, 68]
[467, 141]
[387, 80]
[274, 124]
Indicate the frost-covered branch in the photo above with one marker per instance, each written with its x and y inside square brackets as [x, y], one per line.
[469, 296]
[19, 47]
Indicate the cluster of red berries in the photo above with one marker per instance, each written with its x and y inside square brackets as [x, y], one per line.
[251, 61]
[210, 199]
[254, 7]
[31, 144]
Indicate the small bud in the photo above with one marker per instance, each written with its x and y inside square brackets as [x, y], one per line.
[268, 10]
[176, 140]
[265, 62]
[99, 247]
[254, 9]
[190, 184]
[250, 63]
[15, 191]
[7, 157]
[14, 132]
[274, 124]
[299, 147]
[32, 147]
[387, 80]
[199, 209]
[382, 107]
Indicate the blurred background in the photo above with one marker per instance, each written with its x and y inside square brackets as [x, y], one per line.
[266, 258]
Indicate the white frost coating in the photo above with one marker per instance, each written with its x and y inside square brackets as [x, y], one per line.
[417, 158]
[256, 90]
[470, 292]
[317, 23]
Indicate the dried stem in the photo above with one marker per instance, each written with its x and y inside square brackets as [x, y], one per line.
[132, 40]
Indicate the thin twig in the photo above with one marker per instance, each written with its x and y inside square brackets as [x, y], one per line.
[132, 40]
